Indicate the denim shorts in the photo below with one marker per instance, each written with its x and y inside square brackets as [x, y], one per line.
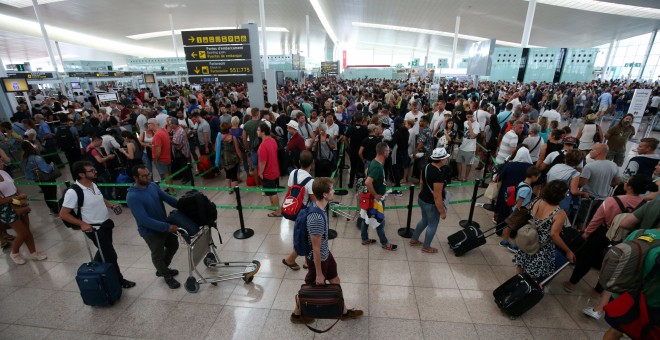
[162, 168]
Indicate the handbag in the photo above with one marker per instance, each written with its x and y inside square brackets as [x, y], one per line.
[366, 200]
[597, 135]
[321, 302]
[47, 176]
[492, 191]
[518, 218]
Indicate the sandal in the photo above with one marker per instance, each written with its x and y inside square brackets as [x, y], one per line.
[274, 215]
[430, 250]
[293, 266]
[352, 314]
[415, 243]
[389, 246]
[368, 242]
[9, 237]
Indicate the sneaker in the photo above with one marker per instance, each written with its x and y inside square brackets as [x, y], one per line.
[397, 193]
[591, 312]
[352, 314]
[505, 243]
[38, 256]
[300, 320]
[172, 283]
[18, 259]
[512, 248]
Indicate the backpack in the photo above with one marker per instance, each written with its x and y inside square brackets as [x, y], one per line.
[229, 157]
[301, 243]
[65, 139]
[614, 232]
[512, 192]
[623, 266]
[294, 198]
[196, 206]
[527, 237]
[81, 199]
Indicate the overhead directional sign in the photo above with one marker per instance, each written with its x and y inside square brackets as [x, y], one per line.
[224, 79]
[205, 68]
[215, 37]
[221, 52]
[31, 75]
[329, 68]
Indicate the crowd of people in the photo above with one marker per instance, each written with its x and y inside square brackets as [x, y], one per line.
[544, 144]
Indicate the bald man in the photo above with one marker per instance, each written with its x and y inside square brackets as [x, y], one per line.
[598, 176]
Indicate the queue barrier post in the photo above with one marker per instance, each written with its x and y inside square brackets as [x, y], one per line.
[192, 175]
[242, 233]
[407, 232]
[340, 169]
[469, 222]
[332, 234]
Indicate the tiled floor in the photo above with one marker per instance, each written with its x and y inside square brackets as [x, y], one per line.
[405, 294]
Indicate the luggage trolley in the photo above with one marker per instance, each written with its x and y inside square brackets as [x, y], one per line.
[202, 248]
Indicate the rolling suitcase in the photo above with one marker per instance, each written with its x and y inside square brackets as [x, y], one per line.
[98, 282]
[521, 292]
[469, 238]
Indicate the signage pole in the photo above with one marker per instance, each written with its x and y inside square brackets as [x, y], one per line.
[7, 100]
[255, 89]
[44, 33]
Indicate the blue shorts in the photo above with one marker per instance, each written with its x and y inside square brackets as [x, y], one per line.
[255, 159]
[162, 168]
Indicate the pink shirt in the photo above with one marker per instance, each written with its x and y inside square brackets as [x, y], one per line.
[608, 210]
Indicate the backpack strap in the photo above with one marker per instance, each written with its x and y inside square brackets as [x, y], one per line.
[295, 177]
[305, 181]
[620, 204]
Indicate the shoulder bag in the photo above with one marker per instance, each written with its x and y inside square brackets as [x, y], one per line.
[46, 176]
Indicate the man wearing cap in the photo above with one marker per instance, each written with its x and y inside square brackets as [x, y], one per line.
[432, 200]
[296, 143]
[557, 157]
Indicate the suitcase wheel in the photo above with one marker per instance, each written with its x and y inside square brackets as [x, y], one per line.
[248, 279]
[191, 285]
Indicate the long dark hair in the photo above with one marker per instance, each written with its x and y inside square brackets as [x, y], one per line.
[28, 150]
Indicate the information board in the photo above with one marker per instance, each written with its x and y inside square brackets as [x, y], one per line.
[218, 55]
[329, 68]
[222, 52]
[31, 75]
[215, 37]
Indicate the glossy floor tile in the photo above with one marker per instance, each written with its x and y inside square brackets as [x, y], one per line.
[405, 294]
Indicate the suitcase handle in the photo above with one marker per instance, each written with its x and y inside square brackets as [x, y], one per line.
[497, 227]
[89, 249]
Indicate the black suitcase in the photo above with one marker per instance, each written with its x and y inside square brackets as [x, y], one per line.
[521, 292]
[98, 282]
[469, 238]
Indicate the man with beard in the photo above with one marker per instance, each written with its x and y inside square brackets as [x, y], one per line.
[617, 136]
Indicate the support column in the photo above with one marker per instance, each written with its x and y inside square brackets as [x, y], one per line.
[527, 30]
[453, 50]
[613, 46]
[44, 33]
[428, 48]
[329, 48]
[176, 52]
[255, 88]
[7, 100]
[307, 30]
[59, 54]
[646, 55]
[262, 16]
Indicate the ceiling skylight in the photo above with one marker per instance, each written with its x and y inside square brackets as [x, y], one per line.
[605, 7]
[168, 33]
[324, 20]
[432, 32]
[26, 3]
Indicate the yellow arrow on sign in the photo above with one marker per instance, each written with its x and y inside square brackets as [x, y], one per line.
[191, 39]
[196, 70]
[194, 55]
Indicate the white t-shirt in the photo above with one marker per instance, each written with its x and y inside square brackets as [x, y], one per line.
[333, 130]
[655, 101]
[509, 141]
[141, 121]
[533, 147]
[552, 115]
[515, 102]
[469, 144]
[482, 118]
[7, 187]
[302, 175]
[438, 118]
[93, 210]
[109, 143]
[551, 157]
[416, 117]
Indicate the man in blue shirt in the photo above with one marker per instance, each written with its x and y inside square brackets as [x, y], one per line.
[45, 135]
[604, 102]
[144, 199]
[505, 115]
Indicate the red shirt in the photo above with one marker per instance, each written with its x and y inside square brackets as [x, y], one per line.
[162, 139]
[267, 154]
[296, 143]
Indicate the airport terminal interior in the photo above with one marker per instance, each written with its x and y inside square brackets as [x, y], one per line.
[298, 62]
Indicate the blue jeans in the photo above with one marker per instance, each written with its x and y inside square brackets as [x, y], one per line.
[380, 230]
[429, 221]
[578, 111]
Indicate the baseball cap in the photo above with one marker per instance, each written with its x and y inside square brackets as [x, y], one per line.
[292, 124]
[569, 140]
[439, 154]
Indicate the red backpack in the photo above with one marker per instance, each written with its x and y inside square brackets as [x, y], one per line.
[293, 200]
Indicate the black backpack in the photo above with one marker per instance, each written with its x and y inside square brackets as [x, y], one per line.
[196, 206]
[65, 139]
[81, 199]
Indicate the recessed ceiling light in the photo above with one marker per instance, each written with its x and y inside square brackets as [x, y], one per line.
[159, 34]
[26, 3]
[605, 7]
[432, 32]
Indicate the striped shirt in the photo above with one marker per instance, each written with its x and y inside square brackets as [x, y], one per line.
[317, 225]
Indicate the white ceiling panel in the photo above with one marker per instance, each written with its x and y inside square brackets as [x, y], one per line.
[554, 26]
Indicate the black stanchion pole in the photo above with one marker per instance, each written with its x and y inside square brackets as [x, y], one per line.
[407, 231]
[331, 232]
[244, 232]
[340, 168]
[192, 175]
[483, 180]
[469, 222]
